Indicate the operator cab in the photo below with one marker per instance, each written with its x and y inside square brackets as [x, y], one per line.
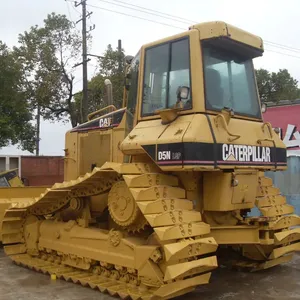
[229, 81]
[181, 73]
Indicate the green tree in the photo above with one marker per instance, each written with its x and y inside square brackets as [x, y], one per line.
[112, 67]
[15, 115]
[276, 86]
[48, 54]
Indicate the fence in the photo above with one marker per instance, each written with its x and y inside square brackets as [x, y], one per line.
[289, 182]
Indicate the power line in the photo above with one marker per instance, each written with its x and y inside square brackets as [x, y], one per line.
[77, 81]
[69, 10]
[156, 11]
[140, 18]
[169, 25]
[186, 21]
[144, 10]
[280, 46]
[282, 53]
[73, 7]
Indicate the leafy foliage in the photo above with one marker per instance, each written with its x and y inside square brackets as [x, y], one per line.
[47, 55]
[15, 115]
[112, 68]
[276, 86]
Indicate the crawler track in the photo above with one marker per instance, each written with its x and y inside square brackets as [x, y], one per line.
[279, 238]
[183, 255]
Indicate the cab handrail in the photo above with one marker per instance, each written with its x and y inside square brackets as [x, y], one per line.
[91, 115]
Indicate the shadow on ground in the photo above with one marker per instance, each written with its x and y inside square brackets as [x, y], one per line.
[278, 283]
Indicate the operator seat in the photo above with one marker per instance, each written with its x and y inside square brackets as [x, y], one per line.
[213, 89]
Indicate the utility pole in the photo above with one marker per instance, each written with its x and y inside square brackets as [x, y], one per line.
[38, 122]
[84, 102]
[84, 66]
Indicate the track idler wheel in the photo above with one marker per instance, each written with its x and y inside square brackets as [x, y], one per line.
[123, 208]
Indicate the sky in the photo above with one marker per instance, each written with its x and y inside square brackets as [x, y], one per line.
[273, 20]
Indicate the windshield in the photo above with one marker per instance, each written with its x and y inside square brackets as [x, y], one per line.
[167, 67]
[229, 82]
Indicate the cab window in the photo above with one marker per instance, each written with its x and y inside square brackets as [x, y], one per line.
[229, 82]
[134, 75]
[167, 67]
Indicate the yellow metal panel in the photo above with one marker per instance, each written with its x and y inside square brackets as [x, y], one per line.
[284, 250]
[182, 231]
[287, 236]
[227, 197]
[265, 181]
[190, 128]
[249, 133]
[236, 234]
[7, 193]
[196, 76]
[192, 267]
[144, 133]
[71, 156]
[198, 130]
[175, 131]
[156, 192]
[274, 262]
[270, 200]
[190, 248]
[118, 136]
[161, 205]
[146, 180]
[217, 199]
[90, 153]
[245, 190]
[16, 181]
[285, 221]
[218, 29]
[268, 190]
[278, 210]
[3, 207]
[14, 249]
[128, 168]
[173, 217]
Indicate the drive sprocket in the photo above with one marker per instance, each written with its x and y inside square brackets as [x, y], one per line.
[123, 208]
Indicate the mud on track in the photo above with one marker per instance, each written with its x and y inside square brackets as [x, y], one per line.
[279, 283]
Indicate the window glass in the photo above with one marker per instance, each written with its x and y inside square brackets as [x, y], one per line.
[132, 94]
[156, 69]
[229, 82]
[167, 67]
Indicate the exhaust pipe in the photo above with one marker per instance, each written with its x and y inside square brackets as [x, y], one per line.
[109, 93]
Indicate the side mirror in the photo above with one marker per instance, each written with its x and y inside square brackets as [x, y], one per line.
[263, 107]
[183, 92]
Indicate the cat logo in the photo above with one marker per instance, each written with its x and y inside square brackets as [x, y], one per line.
[245, 153]
[106, 122]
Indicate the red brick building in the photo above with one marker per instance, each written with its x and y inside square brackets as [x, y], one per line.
[35, 170]
[42, 170]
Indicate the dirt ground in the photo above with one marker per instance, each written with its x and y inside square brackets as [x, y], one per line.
[279, 283]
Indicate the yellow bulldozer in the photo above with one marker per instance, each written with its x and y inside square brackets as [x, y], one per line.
[154, 189]
[8, 178]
